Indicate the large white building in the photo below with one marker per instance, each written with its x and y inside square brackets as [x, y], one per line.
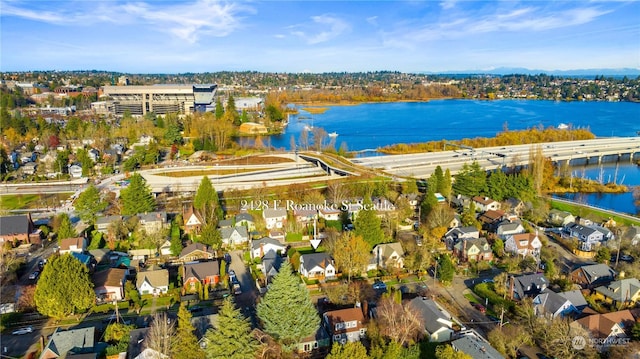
[161, 99]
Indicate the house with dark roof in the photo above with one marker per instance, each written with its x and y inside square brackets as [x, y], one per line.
[153, 222]
[245, 220]
[234, 236]
[18, 228]
[491, 218]
[203, 273]
[319, 342]
[345, 325]
[262, 246]
[592, 275]
[526, 285]
[473, 249]
[515, 206]
[438, 324]
[317, 266]
[103, 222]
[625, 291]
[109, 284]
[475, 347]
[270, 265]
[455, 234]
[195, 252]
[153, 282]
[587, 236]
[66, 343]
[552, 305]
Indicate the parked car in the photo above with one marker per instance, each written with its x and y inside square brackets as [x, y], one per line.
[21, 331]
[227, 258]
[232, 275]
[480, 307]
[34, 275]
[379, 285]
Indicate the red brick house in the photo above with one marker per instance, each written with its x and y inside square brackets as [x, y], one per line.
[203, 273]
[18, 228]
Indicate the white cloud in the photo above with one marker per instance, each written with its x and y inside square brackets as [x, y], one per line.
[448, 4]
[373, 20]
[328, 28]
[186, 21]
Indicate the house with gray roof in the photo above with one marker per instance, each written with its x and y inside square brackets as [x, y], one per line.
[552, 305]
[103, 222]
[262, 246]
[387, 255]
[476, 347]
[560, 218]
[234, 236]
[225, 223]
[153, 282]
[593, 275]
[153, 222]
[576, 298]
[457, 233]
[245, 220]
[271, 263]
[18, 228]
[317, 266]
[506, 228]
[526, 285]
[621, 291]
[473, 249]
[64, 343]
[588, 236]
[438, 324]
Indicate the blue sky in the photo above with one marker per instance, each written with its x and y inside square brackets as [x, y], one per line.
[152, 36]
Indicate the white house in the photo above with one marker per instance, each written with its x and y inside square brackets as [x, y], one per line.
[484, 204]
[317, 266]
[73, 245]
[438, 324]
[234, 236]
[153, 282]
[75, 171]
[274, 217]
[262, 246]
[330, 214]
[523, 244]
[387, 255]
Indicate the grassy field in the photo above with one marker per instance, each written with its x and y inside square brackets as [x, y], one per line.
[26, 201]
[582, 211]
[212, 172]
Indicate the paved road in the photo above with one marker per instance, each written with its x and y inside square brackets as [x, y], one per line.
[247, 299]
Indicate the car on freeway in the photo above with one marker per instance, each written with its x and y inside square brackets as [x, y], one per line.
[34, 275]
[480, 307]
[21, 331]
[379, 285]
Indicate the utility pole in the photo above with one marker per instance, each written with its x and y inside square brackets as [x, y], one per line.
[501, 316]
[435, 273]
[619, 244]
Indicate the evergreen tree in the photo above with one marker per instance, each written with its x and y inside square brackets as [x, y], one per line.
[232, 112]
[219, 109]
[211, 236]
[64, 287]
[185, 344]
[471, 180]
[176, 246]
[286, 311]
[207, 202]
[445, 186]
[89, 204]
[232, 338]
[351, 350]
[137, 197]
[497, 185]
[367, 225]
[446, 270]
[66, 229]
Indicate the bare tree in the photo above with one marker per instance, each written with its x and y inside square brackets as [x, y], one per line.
[336, 192]
[160, 334]
[402, 323]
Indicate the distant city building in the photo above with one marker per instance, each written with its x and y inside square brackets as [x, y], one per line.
[161, 99]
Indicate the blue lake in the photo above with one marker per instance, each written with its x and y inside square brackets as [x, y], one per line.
[370, 126]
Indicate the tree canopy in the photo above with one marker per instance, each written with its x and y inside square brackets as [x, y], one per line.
[89, 204]
[137, 198]
[232, 338]
[207, 202]
[64, 287]
[184, 343]
[286, 311]
[367, 225]
[65, 229]
[351, 254]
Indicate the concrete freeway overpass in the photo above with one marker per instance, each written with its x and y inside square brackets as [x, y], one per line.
[422, 165]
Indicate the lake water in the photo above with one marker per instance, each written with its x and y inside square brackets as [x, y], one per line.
[370, 126]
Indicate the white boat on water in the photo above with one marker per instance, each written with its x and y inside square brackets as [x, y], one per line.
[333, 134]
[563, 126]
[308, 128]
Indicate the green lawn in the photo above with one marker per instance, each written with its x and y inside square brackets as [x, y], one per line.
[24, 201]
[577, 209]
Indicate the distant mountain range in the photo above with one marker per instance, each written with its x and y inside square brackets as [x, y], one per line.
[629, 72]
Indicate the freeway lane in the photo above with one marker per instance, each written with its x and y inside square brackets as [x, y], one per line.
[422, 164]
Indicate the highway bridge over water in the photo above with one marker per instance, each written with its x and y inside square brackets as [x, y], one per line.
[421, 165]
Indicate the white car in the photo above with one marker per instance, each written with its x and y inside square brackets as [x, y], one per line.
[22, 331]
